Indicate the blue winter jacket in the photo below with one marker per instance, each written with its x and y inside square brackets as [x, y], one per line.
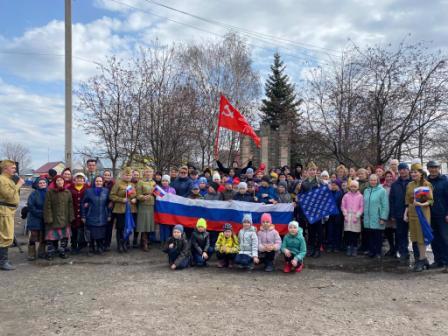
[35, 218]
[397, 198]
[182, 186]
[270, 191]
[376, 207]
[440, 193]
[97, 211]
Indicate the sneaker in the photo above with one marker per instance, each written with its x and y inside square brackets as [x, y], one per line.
[269, 268]
[250, 268]
[287, 268]
[299, 268]
[354, 252]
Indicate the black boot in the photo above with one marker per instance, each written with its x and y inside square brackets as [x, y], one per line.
[419, 265]
[62, 248]
[5, 265]
[51, 250]
[119, 243]
[135, 240]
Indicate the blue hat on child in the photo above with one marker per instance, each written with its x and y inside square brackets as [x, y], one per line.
[403, 165]
[247, 218]
[203, 180]
[179, 228]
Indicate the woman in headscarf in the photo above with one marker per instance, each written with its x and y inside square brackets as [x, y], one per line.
[95, 213]
[58, 215]
[35, 219]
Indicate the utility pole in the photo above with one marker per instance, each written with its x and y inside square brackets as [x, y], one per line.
[68, 84]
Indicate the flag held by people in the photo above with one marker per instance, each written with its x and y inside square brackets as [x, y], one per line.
[129, 224]
[232, 119]
[317, 204]
[158, 191]
[421, 195]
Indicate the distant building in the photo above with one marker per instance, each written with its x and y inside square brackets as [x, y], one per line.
[43, 170]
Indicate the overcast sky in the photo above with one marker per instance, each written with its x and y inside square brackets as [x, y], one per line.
[32, 44]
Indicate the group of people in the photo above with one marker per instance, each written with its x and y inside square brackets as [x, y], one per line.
[244, 250]
[70, 212]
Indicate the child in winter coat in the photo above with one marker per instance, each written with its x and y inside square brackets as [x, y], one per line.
[242, 194]
[200, 244]
[178, 249]
[282, 193]
[266, 193]
[203, 185]
[248, 240]
[269, 242]
[227, 247]
[294, 248]
[195, 192]
[352, 207]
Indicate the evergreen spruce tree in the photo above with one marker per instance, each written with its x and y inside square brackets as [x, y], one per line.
[281, 104]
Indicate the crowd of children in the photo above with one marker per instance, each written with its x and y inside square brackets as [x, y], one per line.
[246, 250]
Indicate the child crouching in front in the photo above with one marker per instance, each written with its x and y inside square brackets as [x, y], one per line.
[269, 242]
[226, 247]
[248, 240]
[200, 244]
[294, 248]
[178, 249]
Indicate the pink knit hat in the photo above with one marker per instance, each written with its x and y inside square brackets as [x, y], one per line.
[266, 217]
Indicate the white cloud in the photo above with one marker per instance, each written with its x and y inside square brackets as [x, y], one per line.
[38, 53]
[35, 121]
[314, 26]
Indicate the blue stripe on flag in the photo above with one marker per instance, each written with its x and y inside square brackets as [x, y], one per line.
[217, 214]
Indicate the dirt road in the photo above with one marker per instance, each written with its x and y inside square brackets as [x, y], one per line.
[136, 294]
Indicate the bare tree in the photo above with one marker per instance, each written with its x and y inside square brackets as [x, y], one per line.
[16, 152]
[377, 101]
[106, 110]
[220, 68]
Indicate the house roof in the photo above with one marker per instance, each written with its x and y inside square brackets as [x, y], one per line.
[46, 167]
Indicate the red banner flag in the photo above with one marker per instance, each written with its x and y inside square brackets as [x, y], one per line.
[231, 118]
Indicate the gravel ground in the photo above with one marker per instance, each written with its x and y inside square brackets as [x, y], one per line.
[137, 294]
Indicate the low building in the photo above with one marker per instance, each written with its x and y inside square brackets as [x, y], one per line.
[43, 170]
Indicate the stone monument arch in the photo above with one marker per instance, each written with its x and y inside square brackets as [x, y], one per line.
[275, 148]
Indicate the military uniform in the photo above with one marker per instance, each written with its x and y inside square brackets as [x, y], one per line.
[118, 196]
[9, 200]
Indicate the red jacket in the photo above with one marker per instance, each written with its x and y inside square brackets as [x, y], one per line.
[77, 197]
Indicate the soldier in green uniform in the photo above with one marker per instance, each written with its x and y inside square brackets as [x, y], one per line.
[9, 200]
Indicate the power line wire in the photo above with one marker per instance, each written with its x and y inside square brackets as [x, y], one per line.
[311, 47]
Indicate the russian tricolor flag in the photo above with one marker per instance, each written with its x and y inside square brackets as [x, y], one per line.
[172, 209]
[159, 192]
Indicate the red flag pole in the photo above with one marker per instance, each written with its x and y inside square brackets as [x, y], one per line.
[217, 133]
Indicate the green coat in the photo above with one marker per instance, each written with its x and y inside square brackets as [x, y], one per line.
[376, 207]
[58, 209]
[295, 244]
[118, 194]
[145, 188]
